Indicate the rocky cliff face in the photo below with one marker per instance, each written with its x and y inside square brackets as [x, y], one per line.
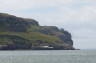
[23, 33]
[15, 24]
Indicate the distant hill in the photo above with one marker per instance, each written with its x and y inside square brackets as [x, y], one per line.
[18, 33]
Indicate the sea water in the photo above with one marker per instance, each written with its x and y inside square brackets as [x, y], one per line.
[48, 56]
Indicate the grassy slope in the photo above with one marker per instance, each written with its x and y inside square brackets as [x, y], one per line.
[32, 36]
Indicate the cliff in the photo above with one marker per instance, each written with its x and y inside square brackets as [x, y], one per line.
[23, 33]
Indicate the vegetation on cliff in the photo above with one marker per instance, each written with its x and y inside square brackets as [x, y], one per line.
[22, 33]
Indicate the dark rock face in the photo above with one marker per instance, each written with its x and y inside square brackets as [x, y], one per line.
[66, 37]
[10, 23]
[16, 24]
[15, 43]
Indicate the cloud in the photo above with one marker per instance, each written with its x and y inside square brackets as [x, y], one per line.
[89, 0]
[25, 4]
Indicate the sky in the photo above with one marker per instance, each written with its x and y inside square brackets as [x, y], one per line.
[76, 16]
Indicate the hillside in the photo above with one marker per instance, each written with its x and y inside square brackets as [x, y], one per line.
[18, 33]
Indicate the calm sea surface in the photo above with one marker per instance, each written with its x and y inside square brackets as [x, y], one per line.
[53, 56]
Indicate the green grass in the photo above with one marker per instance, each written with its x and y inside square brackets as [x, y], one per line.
[32, 36]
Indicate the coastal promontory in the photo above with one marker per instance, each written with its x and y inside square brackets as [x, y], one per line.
[17, 33]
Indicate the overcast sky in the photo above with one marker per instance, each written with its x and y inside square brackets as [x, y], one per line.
[76, 16]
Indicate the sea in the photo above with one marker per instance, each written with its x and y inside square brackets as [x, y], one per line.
[48, 56]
